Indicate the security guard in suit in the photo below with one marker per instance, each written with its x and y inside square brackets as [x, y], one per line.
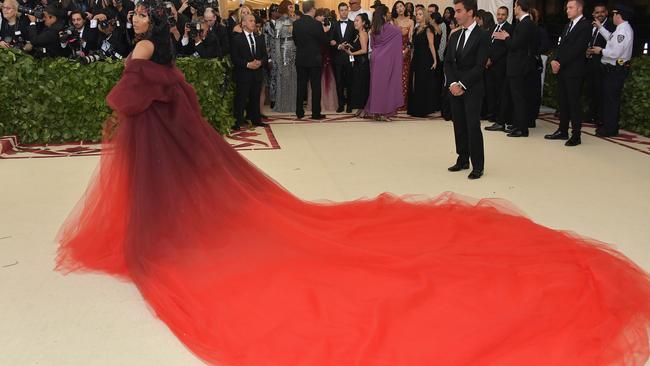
[616, 57]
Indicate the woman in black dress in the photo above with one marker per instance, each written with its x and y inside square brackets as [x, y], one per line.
[361, 66]
[424, 90]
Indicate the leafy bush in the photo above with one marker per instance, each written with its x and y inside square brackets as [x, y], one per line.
[635, 101]
[56, 100]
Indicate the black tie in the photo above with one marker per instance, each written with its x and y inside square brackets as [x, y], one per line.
[568, 28]
[250, 38]
[461, 43]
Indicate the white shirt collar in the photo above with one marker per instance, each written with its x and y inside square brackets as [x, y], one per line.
[246, 33]
[523, 16]
[576, 20]
[470, 28]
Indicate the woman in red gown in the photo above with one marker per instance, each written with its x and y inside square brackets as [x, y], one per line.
[245, 273]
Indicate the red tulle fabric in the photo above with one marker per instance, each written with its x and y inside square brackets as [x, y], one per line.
[245, 273]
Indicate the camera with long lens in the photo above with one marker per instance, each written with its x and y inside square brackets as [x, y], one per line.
[69, 35]
[195, 28]
[16, 41]
[99, 55]
[37, 11]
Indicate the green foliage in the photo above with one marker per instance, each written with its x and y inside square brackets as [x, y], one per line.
[56, 100]
[635, 101]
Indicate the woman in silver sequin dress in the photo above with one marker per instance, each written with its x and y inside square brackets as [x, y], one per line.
[283, 56]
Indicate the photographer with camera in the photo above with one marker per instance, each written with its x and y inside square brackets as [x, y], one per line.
[14, 27]
[177, 23]
[112, 38]
[198, 41]
[80, 39]
[46, 43]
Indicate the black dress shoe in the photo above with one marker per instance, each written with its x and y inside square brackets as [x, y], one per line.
[496, 127]
[518, 133]
[458, 167]
[236, 128]
[475, 174]
[557, 135]
[320, 116]
[300, 115]
[509, 128]
[601, 133]
[260, 124]
[339, 109]
[573, 141]
[348, 110]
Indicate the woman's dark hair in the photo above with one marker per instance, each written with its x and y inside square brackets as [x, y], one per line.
[437, 18]
[449, 10]
[410, 9]
[393, 12]
[365, 20]
[158, 32]
[487, 18]
[379, 18]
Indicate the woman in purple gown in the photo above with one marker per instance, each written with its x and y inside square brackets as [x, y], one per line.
[385, 95]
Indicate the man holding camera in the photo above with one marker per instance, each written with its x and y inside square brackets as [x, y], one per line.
[112, 37]
[213, 20]
[342, 34]
[248, 53]
[79, 38]
[46, 43]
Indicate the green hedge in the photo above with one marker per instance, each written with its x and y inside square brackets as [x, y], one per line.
[635, 103]
[56, 100]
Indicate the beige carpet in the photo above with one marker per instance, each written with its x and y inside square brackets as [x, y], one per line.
[599, 189]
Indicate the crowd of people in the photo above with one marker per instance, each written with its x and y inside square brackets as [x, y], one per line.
[374, 62]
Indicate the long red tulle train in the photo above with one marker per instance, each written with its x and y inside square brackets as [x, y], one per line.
[245, 273]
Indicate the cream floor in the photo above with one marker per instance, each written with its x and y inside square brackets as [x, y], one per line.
[599, 189]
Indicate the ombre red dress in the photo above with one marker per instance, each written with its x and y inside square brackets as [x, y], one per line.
[245, 273]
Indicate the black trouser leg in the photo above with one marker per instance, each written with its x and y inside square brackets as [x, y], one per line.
[519, 103]
[314, 81]
[594, 91]
[612, 89]
[242, 91]
[253, 108]
[460, 129]
[574, 92]
[302, 75]
[343, 77]
[495, 77]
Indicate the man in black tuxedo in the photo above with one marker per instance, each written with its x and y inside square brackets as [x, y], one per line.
[520, 64]
[495, 75]
[570, 64]
[248, 53]
[342, 32]
[594, 80]
[309, 35]
[464, 67]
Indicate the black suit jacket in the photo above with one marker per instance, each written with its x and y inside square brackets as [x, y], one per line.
[340, 57]
[498, 48]
[309, 36]
[599, 40]
[240, 53]
[522, 45]
[468, 66]
[571, 53]
[48, 39]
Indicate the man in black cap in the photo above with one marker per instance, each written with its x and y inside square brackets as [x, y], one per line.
[616, 57]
